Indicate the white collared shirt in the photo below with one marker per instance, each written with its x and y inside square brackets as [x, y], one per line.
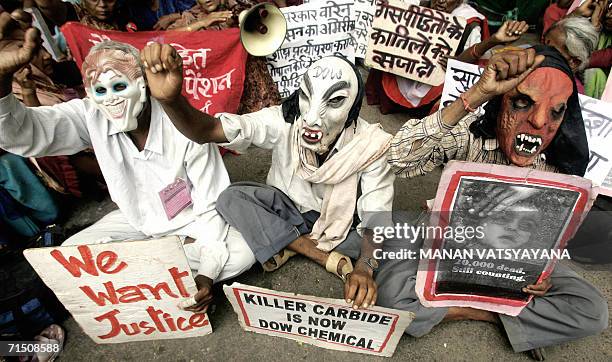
[267, 129]
[134, 178]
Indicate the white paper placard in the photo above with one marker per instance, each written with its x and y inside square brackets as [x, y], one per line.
[314, 31]
[459, 77]
[323, 322]
[409, 40]
[123, 291]
[597, 116]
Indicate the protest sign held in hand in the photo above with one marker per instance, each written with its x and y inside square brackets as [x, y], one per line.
[314, 30]
[409, 40]
[598, 127]
[323, 322]
[123, 291]
[520, 221]
[459, 77]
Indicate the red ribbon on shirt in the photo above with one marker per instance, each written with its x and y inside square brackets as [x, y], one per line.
[213, 60]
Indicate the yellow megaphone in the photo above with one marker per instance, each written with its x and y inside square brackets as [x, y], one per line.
[262, 29]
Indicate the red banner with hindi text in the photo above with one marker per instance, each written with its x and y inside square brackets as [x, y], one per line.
[213, 60]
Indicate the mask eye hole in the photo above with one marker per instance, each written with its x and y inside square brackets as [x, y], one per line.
[118, 87]
[521, 102]
[100, 91]
[337, 101]
[558, 113]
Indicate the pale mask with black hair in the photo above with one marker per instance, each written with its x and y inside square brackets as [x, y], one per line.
[119, 98]
[327, 93]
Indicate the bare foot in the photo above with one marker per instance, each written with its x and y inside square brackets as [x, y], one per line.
[465, 313]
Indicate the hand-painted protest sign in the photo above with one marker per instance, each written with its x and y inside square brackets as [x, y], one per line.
[598, 125]
[213, 60]
[124, 291]
[512, 246]
[459, 77]
[314, 31]
[364, 15]
[408, 40]
[327, 323]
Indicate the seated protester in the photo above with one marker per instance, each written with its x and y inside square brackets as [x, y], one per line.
[127, 122]
[102, 14]
[260, 91]
[322, 155]
[576, 39]
[529, 92]
[509, 32]
[397, 94]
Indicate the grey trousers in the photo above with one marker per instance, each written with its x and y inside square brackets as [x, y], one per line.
[269, 221]
[571, 309]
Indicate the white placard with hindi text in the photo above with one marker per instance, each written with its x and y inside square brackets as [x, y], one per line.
[323, 322]
[123, 291]
[459, 77]
[409, 40]
[597, 116]
[314, 31]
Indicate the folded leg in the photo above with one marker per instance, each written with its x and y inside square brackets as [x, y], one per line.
[571, 309]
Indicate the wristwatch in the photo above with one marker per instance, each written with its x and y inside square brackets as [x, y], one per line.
[371, 262]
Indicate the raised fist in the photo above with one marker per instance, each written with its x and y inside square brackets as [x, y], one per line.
[506, 70]
[12, 27]
[164, 68]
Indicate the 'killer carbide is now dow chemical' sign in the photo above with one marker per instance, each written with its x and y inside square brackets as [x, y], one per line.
[324, 322]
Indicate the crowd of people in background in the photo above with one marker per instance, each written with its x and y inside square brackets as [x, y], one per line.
[36, 193]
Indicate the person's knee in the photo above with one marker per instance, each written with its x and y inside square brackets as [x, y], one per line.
[227, 198]
[241, 256]
[390, 297]
[598, 316]
[243, 259]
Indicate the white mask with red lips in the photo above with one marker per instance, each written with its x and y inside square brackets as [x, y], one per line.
[119, 98]
[327, 93]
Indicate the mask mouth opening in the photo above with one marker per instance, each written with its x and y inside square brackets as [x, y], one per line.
[311, 136]
[116, 108]
[527, 144]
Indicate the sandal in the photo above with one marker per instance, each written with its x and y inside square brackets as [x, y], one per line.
[278, 260]
[333, 260]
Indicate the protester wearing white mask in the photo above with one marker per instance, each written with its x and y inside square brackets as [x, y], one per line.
[163, 183]
[327, 165]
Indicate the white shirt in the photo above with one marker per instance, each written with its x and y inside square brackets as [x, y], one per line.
[267, 129]
[134, 178]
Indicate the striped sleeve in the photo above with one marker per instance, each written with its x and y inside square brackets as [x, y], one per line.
[421, 145]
